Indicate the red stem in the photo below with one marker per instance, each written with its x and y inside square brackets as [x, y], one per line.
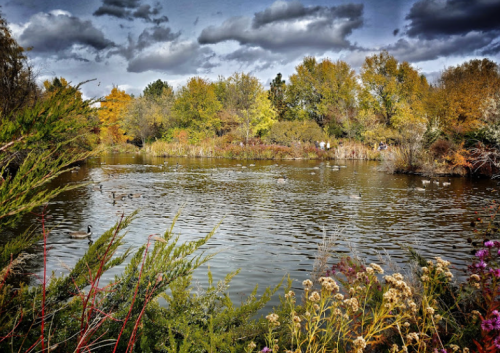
[133, 298]
[44, 279]
[92, 292]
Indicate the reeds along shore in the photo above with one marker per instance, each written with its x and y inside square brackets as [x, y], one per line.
[348, 150]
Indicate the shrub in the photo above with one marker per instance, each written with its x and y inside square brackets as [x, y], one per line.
[289, 132]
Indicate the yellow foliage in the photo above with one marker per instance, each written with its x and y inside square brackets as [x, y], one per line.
[111, 114]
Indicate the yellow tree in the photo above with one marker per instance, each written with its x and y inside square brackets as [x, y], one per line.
[394, 91]
[196, 107]
[248, 102]
[462, 94]
[111, 114]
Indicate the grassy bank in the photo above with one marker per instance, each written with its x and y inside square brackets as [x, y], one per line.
[213, 149]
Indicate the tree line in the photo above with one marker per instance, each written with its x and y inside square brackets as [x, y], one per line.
[387, 101]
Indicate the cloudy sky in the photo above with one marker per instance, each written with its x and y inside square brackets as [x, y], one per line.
[129, 43]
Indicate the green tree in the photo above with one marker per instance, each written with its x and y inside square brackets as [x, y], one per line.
[155, 89]
[248, 101]
[196, 107]
[17, 78]
[277, 96]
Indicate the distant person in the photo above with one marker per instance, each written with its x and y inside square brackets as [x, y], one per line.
[316, 144]
[328, 146]
[241, 144]
[322, 145]
[382, 146]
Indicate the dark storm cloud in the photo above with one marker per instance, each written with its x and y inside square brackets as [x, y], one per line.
[147, 38]
[175, 58]
[283, 11]
[59, 32]
[287, 26]
[395, 32]
[434, 19]
[130, 9]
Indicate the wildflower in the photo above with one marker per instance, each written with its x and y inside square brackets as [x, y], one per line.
[339, 296]
[290, 294]
[406, 324]
[454, 347]
[482, 253]
[429, 310]
[495, 272]
[314, 297]
[496, 342]
[394, 348]
[352, 291]
[425, 278]
[496, 324]
[465, 350]
[353, 302]
[316, 307]
[495, 313]
[273, 319]
[413, 306]
[476, 285]
[377, 268]
[425, 270]
[266, 350]
[308, 314]
[438, 317]
[398, 276]
[307, 283]
[489, 244]
[475, 313]
[449, 275]
[412, 336]
[276, 347]
[337, 312]
[481, 265]
[486, 325]
[296, 318]
[359, 342]
[252, 345]
[442, 262]
[475, 277]
[370, 270]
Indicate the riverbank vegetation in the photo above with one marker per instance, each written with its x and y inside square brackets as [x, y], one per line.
[446, 127]
[348, 306]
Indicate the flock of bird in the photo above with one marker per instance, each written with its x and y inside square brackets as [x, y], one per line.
[280, 180]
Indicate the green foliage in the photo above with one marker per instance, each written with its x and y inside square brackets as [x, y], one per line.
[156, 89]
[290, 132]
[277, 96]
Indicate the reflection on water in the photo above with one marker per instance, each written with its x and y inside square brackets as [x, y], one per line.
[268, 229]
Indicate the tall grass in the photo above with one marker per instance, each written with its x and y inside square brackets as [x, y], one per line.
[216, 149]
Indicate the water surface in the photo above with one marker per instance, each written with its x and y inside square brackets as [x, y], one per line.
[268, 229]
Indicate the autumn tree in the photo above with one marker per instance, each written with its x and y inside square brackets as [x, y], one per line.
[17, 78]
[463, 94]
[325, 92]
[277, 96]
[196, 107]
[394, 91]
[111, 114]
[248, 101]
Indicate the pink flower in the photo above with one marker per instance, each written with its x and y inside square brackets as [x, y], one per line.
[266, 350]
[489, 244]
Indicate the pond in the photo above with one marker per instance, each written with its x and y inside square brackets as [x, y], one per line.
[269, 228]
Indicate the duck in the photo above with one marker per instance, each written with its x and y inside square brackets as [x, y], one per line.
[118, 196]
[98, 188]
[446, 183]
[282, 180]
[420, 189]
[132, 196]
[436, 182]
[425, 182]
[82, 235]
[355, 197]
